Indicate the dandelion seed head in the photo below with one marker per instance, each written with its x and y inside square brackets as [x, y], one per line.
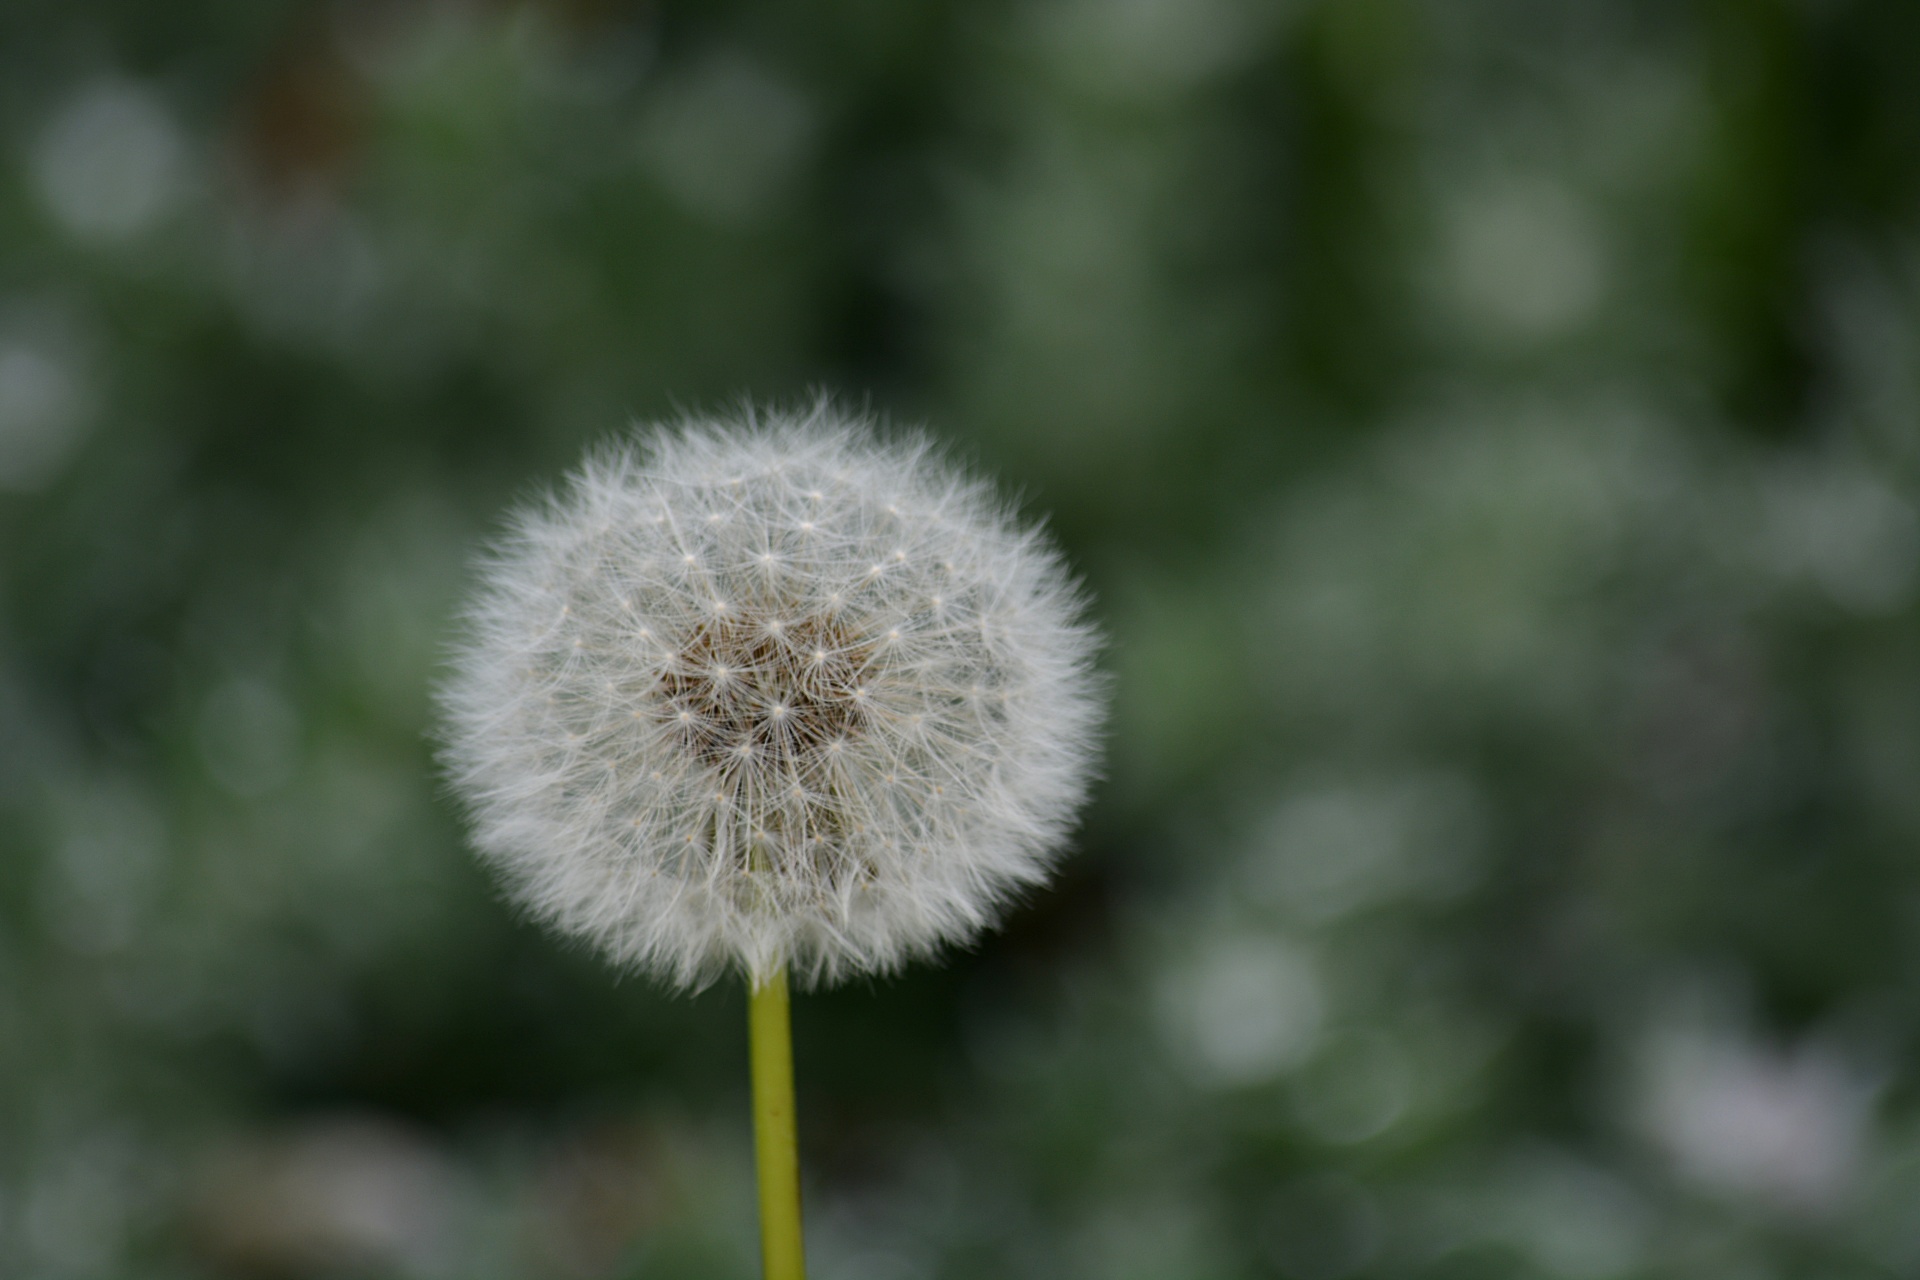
[703, 718]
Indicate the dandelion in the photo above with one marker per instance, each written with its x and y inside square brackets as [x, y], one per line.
[772, 695]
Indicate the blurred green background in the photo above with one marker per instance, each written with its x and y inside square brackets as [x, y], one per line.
[1489, 428]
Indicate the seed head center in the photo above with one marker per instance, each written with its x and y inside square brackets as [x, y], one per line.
[749, 691]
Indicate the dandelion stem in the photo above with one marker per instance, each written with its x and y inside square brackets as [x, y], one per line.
[775, 1146]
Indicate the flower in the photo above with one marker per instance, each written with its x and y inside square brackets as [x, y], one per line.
[772, 692]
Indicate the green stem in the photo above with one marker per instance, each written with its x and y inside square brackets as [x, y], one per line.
[775, 1146]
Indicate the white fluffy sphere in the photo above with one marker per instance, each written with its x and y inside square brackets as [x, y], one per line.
[769, 693]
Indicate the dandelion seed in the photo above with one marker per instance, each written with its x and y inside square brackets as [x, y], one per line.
[777, 723]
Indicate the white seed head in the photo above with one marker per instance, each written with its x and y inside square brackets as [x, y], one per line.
[772, 692]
